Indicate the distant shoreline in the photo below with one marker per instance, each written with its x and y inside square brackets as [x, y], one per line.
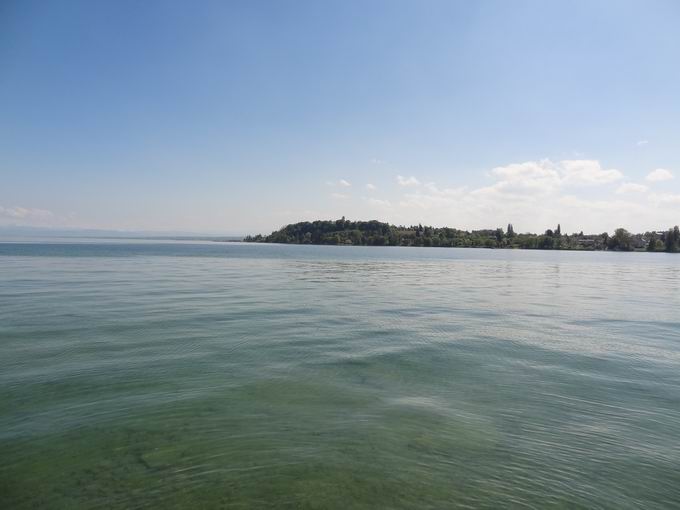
[375, 233]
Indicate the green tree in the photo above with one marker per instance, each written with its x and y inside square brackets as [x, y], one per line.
[673, 240]
[652, 240]
[373, 232]
[621, 240]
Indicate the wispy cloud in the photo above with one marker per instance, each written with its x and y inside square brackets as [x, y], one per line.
[659, 175]
[371, 187]
[24, 212]
[665, 198]
[342, 183]
[631, 187]
[379, 203]
[433, 197]
[339, 196]
[26, 215]
[642, 143]
[407, 181]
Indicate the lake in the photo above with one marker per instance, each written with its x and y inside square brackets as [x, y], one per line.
[139, 374]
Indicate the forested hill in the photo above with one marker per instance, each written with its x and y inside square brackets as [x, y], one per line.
[376, 233]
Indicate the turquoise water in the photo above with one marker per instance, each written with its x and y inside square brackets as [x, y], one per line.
[222, 375]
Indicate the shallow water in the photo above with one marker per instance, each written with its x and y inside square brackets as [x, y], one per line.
[208, 375]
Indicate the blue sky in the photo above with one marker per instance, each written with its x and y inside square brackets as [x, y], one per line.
[234, 117]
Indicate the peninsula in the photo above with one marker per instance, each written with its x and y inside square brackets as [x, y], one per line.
[376, 233]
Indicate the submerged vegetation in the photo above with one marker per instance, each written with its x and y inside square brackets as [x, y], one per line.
[376, 233]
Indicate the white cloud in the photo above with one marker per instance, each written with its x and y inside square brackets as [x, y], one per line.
[529, 170]
[339, 196]
[535, 195]
[631, 187]
[665, 198]
[518, 181]
[444, 192]
[533, 177]
[581, 194]
[379, 203]
[599, 215]
[660, 174]
[588, 172]
[25, 213]
[432, 197]
[407, 181]
[545, 176]
[377, 161]
[370, 187]
[342, 183]
[642, 143]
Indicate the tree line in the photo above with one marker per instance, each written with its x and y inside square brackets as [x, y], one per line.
[376, 233]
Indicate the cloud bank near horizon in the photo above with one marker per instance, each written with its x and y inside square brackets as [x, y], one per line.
[580, 194]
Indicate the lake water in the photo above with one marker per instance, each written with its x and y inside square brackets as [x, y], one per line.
[225, 375]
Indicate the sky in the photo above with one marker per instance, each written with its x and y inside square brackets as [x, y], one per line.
[237, 117]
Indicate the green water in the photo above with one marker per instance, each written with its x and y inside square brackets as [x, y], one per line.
[219, 375]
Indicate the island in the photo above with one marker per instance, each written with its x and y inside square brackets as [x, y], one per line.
[377, 233]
